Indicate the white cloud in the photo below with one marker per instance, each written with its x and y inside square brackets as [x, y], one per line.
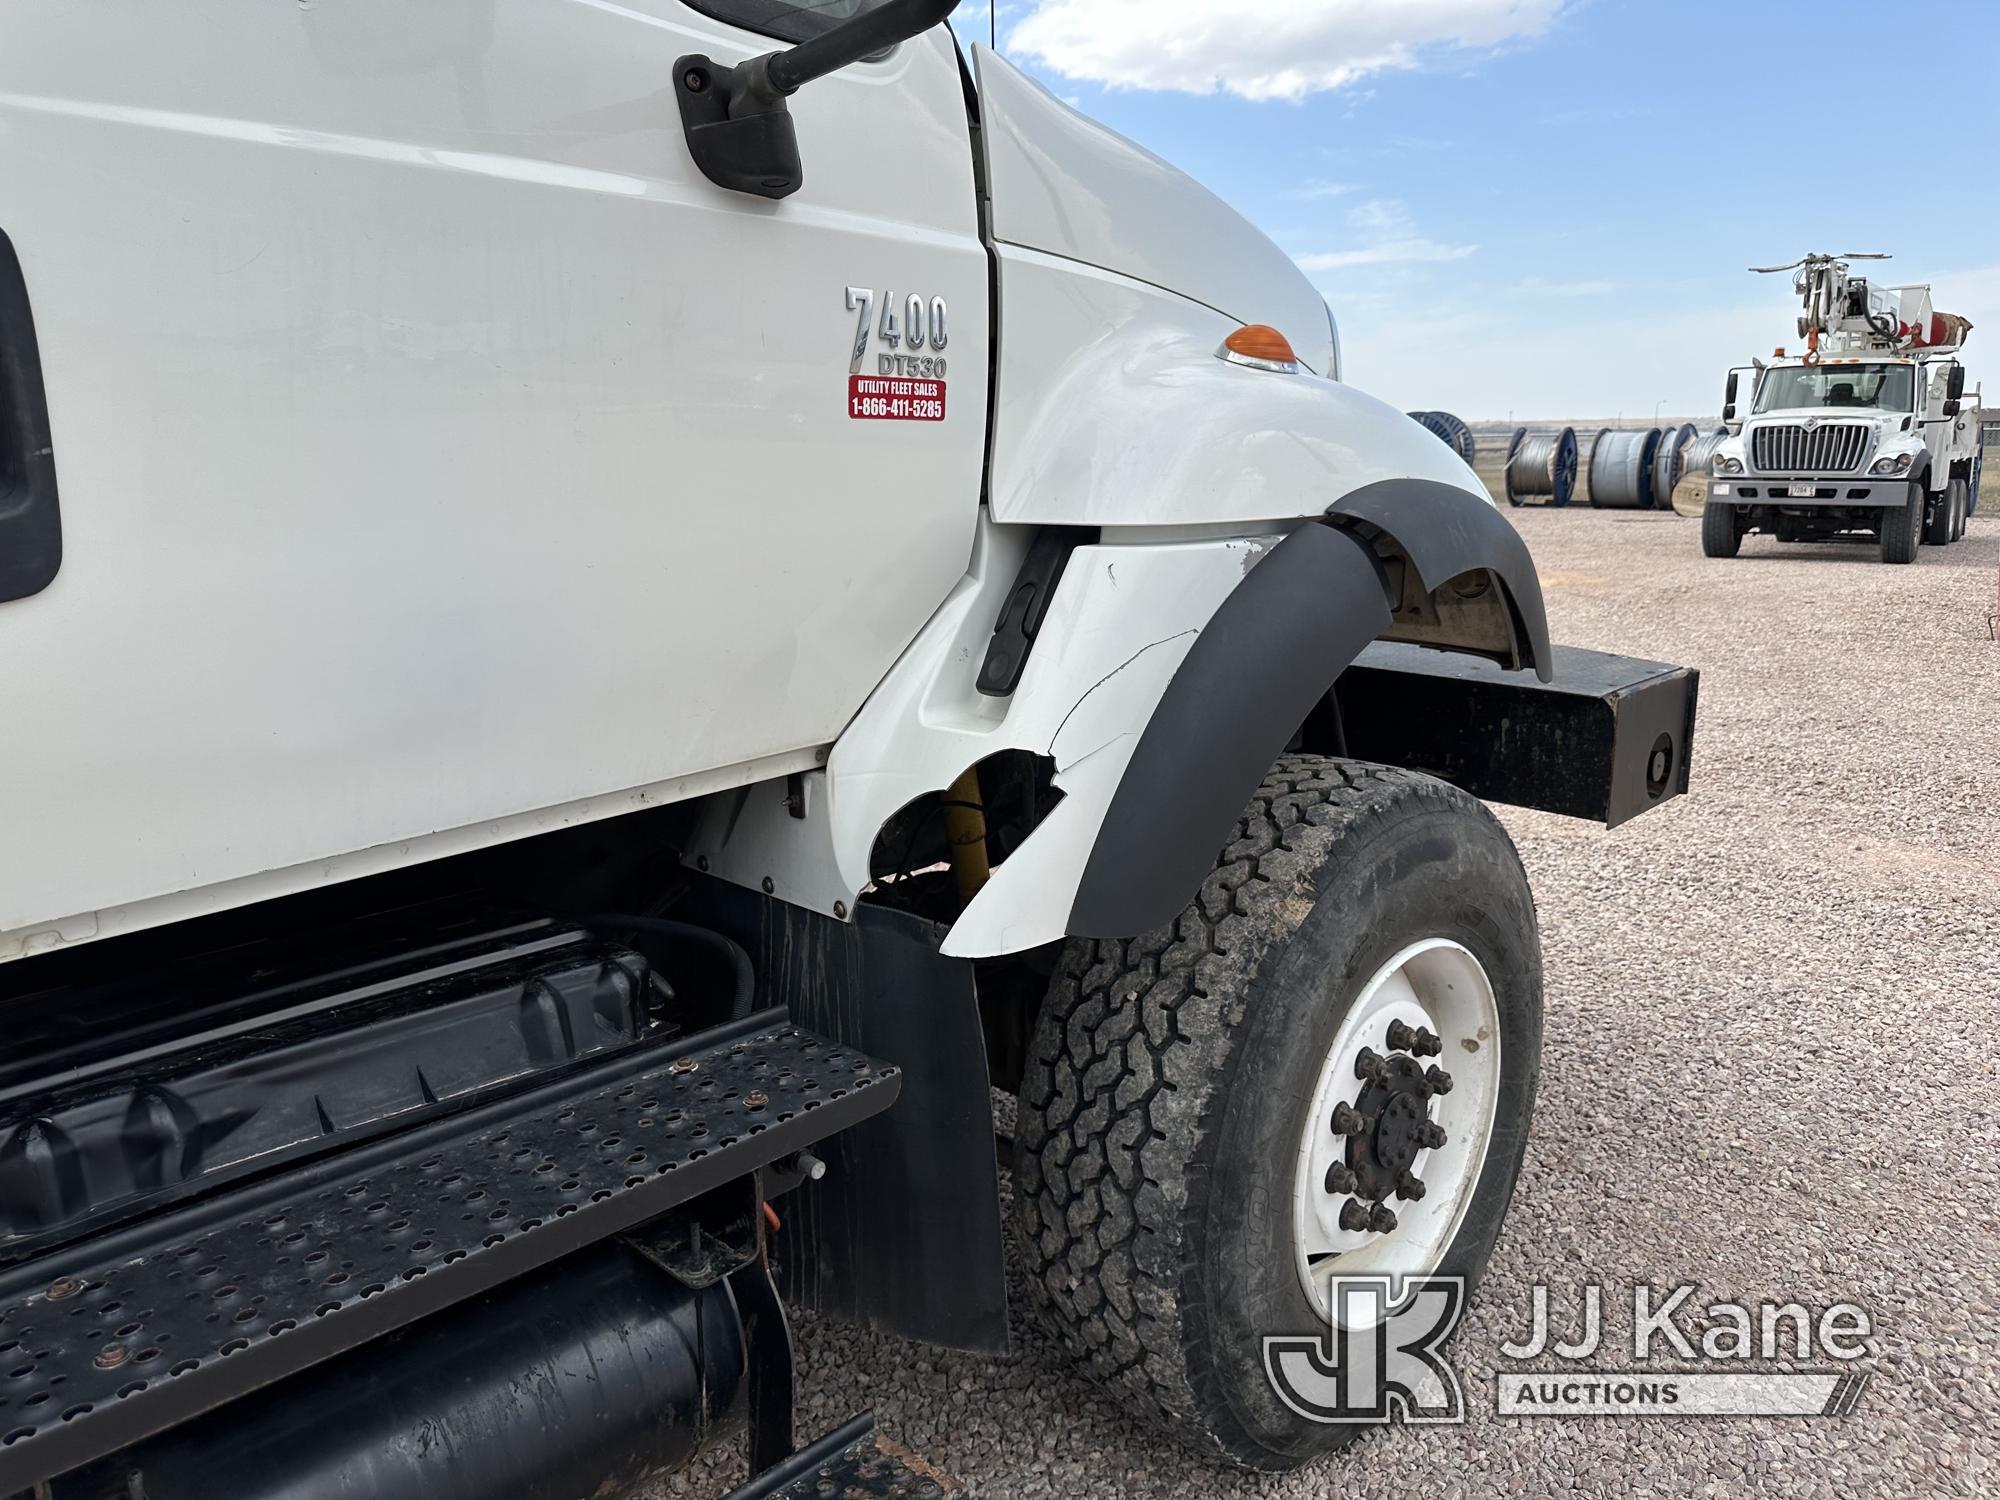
[1388, 237]
[1261, 49]
[1314, 192]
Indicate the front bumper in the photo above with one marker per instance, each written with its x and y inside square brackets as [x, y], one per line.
[1605, 738]
[1821, 490]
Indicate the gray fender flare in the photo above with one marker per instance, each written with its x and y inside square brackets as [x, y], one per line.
[1271, 651]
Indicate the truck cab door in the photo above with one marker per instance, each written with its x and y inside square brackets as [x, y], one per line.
[443, 456]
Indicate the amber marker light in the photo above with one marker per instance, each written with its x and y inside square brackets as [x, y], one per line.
[1261, 348]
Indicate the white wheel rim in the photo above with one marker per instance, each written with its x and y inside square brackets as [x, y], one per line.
[1438, 986]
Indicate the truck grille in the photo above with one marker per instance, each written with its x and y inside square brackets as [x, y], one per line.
[1788, 448]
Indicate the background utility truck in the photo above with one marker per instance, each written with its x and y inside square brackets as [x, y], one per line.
[609, 613]
[1868, 433]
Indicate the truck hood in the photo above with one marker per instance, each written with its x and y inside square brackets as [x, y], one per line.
[1065, 185]
[1830, 414]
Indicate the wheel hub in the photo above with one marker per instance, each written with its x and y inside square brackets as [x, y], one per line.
[1385, 1150]
[1381, 1129]
[1389, 1124]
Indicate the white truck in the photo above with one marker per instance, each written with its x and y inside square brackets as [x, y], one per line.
[1868, 433]
[593, 651]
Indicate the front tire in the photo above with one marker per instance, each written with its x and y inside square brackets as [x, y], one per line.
[1938, 529]
[1721, 534]
[1902, 529]
[1174, 1084]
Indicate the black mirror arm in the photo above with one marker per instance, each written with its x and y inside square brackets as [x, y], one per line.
[872, 31]
[739, 128]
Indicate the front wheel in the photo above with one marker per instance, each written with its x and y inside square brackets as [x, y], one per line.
[1325, 1066]
[1721, 532]
[1938, 520]
[1902, 530]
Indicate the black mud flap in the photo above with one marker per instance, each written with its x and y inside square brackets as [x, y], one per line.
[903, 1233]
[1605, 738]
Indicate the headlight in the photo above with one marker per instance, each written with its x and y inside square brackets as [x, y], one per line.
[1895, 463]
[1727, 465]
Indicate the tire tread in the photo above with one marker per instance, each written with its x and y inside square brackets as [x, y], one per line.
[1127, 1066]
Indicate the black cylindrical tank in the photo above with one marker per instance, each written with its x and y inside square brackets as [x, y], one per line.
[587, 1377]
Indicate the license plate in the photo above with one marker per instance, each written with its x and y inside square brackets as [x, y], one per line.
[1803, 491]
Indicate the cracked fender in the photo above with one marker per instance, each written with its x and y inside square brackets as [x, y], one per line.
[1270, 652]
[1120, 625]
[1165, 680]
[1407, 559]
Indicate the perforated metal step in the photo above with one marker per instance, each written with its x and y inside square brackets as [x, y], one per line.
[107, 1343]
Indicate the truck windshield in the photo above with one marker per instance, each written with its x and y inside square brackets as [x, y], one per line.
[1883, 387]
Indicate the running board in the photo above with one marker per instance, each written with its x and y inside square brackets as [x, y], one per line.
[122, 1336]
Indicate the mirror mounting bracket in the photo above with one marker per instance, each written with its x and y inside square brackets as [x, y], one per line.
[739, 128]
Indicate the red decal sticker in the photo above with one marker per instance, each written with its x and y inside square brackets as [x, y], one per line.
[891, 398]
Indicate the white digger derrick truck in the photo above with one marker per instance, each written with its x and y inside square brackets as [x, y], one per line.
[1869, 433]
[607, 614]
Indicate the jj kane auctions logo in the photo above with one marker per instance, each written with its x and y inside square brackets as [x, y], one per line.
[1379, 1357]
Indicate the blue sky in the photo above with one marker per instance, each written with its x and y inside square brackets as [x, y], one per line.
[1546, 207]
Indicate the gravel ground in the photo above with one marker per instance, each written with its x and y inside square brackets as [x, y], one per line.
[1769, 1064]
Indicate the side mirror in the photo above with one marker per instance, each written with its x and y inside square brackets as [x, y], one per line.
[739, 128]
[1729, 398]
[1950, 407]
[1955, 382]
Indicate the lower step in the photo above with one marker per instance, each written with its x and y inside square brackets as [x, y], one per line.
[854, 1462]
[111, 1341]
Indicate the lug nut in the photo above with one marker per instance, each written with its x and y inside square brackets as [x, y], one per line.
[1381, 1220]
[1347, 1120]
[1354, 1216]
[1426, 1043]
[1438, 1079]
[1431, 1134]
[1411, 1187]
[1401, 1037]
[1368, 1063]
[1340, 1179]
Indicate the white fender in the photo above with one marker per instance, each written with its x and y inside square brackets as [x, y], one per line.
[1112, 409]
[1121, 621]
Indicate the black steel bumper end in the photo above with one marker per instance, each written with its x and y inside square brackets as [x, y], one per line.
[1605, 739]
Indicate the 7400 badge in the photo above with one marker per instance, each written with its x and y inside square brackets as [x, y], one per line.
[909, 325]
